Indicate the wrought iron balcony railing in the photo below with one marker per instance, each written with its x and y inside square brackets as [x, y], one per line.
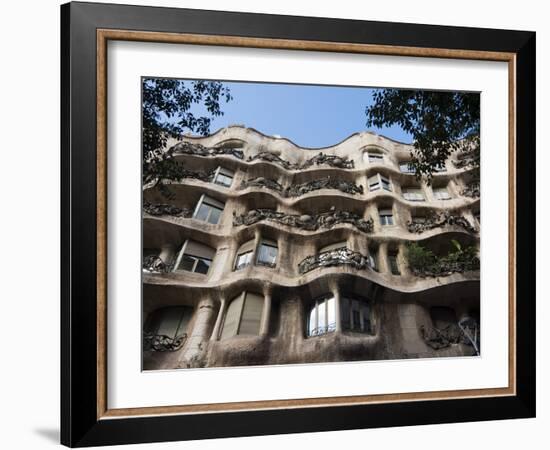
[439, 220]
[163, 343]
[338, 257]
[305, 221]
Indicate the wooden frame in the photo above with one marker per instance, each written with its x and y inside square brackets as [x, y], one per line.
[86, 418]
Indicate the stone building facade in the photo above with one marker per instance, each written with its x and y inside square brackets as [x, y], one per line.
[269, 253]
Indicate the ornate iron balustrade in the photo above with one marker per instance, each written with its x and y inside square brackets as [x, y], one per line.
[320, 159]
[262, 182]
[304, 221]
[438, 221]
[337, 257]
[466, 331]
[154, 264]
[162, 343]
[471, 190]
[324, 183]
[187, 148]
[163, 209]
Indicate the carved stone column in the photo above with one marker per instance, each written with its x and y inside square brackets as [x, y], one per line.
[199, 335]
[221, 313]
[337, 312]
[266, 314]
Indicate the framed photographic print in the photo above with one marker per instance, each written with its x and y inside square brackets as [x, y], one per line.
[273, 224]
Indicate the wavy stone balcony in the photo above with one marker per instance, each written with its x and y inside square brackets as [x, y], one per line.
[306, 222]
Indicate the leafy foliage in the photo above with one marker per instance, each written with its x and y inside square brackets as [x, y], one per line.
[423, 262]
[166, 112]
[440, 123]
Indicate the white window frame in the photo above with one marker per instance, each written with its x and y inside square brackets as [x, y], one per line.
[266, 243]
[414, 194]
[212, 203]
[407, 169]
[219, 171]
[386, 213]
[328, 326]
[379, 183]
[442, 193]
[180, 254]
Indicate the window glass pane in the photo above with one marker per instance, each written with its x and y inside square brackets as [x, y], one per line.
[345, 313]
[170, 322]
[375, 157]
[224, 180]
[202, 212]
[442, 194]
[267, 255]
[405, 168]
[215, 214]
[312, 322]
[365, 316]
[243, 260]
[203, 265]
[331, 314]
[394, 266]
[187, 262]
[386, 184]
[373, 261]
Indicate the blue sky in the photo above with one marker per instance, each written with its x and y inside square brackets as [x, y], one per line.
[310, 116]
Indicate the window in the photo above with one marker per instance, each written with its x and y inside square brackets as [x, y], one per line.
[243, 315]
[413, 194]
[441, 193]
[373, 259]
[440, 167]
[223, 177]
[394, 264]
[374, 157]
[377, 181]
[405, 167]
[245, 255]
[386, 217]
[195, 257]
[166, 328]
[355, 315]
[208, 210]
[267, 254]
[321, 318]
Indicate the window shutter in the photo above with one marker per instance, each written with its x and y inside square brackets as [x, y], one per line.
[330, 247]
[202, 251]
[252, 314]
[232, 317]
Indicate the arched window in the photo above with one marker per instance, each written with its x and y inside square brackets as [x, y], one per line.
[243, 315]
[166, 328]
[355, 315]
[321, 317]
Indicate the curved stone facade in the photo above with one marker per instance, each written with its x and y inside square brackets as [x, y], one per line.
[289, 255]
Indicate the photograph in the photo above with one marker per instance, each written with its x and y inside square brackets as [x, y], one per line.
[305, 224]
